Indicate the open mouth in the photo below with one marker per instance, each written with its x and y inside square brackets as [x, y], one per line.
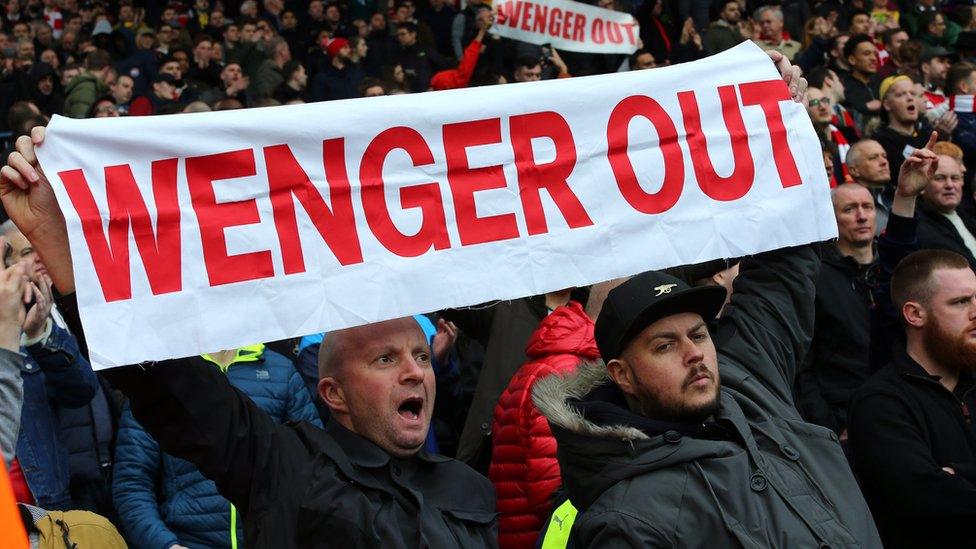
[411, 408]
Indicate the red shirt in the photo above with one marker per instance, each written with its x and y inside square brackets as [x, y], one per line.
[19, 483]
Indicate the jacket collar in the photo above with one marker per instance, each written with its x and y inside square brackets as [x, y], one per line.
[907, 367]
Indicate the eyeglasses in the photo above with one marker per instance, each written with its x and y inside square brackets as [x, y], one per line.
[825, 101]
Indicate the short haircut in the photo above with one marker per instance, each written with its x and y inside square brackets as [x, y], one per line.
[886, 35]
[408, 26]
[851, 46]
[853, 157]
[370, 82]
[775, 9]
[855, 13]
[911, 279]
[290, 68]
[817, 75]
[636, 54]
[526, 61]
[948, 148]
[97, 60]
[958, 72]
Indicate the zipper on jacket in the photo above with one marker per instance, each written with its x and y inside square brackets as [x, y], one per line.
[959, 399]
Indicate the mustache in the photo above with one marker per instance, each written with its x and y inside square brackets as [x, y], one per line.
[697, 371]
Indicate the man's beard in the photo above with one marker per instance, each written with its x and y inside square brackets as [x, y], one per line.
[653, 407]
[951, 351]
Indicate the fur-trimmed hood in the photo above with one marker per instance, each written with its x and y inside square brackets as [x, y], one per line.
[552, 396]
[601, 442]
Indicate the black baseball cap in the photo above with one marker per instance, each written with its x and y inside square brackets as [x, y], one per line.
[936, 51]
[645, 299]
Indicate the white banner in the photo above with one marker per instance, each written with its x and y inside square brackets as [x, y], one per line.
[193, 233]
[567, 25]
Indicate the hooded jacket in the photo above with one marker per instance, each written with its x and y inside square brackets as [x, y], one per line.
[82, 92]
[755, 475]
[524, 469]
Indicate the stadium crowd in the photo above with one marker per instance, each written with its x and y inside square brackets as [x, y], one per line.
[805, 397]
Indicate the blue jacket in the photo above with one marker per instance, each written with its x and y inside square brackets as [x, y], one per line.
[55, 376]
[162, 500]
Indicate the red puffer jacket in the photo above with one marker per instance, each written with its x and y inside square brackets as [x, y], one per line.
[524, 469]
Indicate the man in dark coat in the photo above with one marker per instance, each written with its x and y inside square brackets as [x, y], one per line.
[942, 224]
[364, 481]
[839, 360]
[911, 436]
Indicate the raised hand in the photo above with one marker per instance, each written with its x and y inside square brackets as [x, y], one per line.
[444, 340]
[30, 202]
[918, 169]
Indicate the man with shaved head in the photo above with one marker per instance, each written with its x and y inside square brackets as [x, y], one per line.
[839, 358]
[364, 481]
[867, 162]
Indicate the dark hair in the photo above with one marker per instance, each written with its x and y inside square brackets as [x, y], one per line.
[817, 75]
[834, 40]
[958, 72]
[290, 69]
[961, 15]
[202, 37]
[368, 83]
[910, 53]
[927, 19]
[855, 13]
[638, 53]
[910, 279]
[886, 35]
[526, 61]
[851, 46]
[409, 26]
[97, 60]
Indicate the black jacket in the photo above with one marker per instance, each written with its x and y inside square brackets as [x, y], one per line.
[899, 146]
[904, 428]
[935, 231]
[296, 485]
[838, 360]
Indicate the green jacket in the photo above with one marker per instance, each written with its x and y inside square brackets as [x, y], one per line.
[756, 477]
[81, 94]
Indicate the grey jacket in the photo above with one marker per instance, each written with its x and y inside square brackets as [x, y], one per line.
[757, 476]
[11, 400]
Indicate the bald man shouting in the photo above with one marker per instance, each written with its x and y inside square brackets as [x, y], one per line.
[363, 481]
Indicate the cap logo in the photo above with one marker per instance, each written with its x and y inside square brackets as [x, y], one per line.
[663, 289]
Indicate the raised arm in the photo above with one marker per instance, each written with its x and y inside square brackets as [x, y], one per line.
[187, 405]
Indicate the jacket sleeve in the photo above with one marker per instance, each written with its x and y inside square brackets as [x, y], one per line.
[11, 401]
[137, 462]
[892, 458]
[768, 325]
[965, 133]
[616, 529]
[194, 413]
[813, 406]
[475, 322]
[299, 402]
[542, 465]
[898, 240]
[69, 379]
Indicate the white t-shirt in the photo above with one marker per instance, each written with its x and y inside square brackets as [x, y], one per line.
[967, 237]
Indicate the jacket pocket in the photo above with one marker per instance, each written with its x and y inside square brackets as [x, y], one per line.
[472, 528]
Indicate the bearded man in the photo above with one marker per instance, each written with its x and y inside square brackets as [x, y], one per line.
[911, 437]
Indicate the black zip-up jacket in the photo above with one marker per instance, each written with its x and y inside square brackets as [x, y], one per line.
[935, 231]
[905, 426]
[297, 485]
[839, 358]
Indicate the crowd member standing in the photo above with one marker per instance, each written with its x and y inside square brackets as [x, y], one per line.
[910, 434]
[838, 361]
[524, 469]
[164, 501]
